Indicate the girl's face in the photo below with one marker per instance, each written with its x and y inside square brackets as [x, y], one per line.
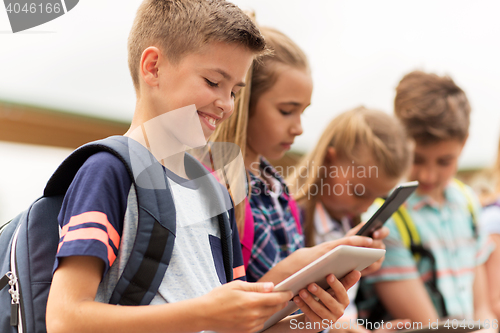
[275, 121]
[348, 189]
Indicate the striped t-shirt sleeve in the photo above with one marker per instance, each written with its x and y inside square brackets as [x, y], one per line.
[91, 217]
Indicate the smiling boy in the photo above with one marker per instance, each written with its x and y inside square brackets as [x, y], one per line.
[435, 112]
[188, 59]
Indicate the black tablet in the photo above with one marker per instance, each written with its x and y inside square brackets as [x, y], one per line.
[390, 206]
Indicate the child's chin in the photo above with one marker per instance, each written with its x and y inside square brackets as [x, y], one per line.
[426, 191]
[277, 156]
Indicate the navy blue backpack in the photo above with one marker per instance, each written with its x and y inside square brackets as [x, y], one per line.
[28, 243]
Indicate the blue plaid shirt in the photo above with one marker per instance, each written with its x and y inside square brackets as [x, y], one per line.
[276, 235]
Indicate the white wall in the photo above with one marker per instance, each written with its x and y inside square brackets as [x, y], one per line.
[24, 171]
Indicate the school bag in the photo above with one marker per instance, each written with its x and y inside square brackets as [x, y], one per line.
[248, 232]
[411, 240]
[28, 243]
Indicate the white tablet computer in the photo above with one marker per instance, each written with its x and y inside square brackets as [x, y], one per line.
[339, 261]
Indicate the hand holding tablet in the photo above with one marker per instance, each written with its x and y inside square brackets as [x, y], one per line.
[340, 261]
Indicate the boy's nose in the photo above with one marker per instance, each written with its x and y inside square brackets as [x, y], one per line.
[226, 104]
[427, 176]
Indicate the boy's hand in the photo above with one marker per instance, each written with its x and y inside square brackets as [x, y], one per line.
[242, 306]
[378, 236]
[331, 303]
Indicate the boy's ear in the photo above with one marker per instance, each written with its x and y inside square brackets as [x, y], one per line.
[149, 65]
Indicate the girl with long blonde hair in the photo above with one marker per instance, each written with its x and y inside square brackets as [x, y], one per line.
[360, 156]
[267, 121]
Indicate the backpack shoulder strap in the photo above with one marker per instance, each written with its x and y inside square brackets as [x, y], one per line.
[470, 203]
[295, 213]
[248, 234]
[404, 223]
[155, 237]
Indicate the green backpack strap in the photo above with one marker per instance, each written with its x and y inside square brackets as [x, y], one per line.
[409, 234]
[412, 241]
[470, 204]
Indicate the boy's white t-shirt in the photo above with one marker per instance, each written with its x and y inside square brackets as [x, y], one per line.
[192, 252]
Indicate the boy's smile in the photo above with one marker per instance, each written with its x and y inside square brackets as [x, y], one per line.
[208, 79]
[209, 120]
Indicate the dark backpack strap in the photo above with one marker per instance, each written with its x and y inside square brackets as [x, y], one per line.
[155, 237]
[432, 283]
[154, 242]
[153, 247]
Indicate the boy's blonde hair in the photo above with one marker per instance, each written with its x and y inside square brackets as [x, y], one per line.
[432, 108]
[178, 27]
[262, 76]
[360, 135]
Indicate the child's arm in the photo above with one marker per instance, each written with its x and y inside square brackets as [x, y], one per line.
[234, 307]
[407, 299]
[493, 274]
[482, 309]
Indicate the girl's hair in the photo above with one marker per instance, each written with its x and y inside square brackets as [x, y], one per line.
[359, 135]
[264, 73]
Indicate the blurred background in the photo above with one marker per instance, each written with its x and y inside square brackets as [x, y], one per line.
[67, 82]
